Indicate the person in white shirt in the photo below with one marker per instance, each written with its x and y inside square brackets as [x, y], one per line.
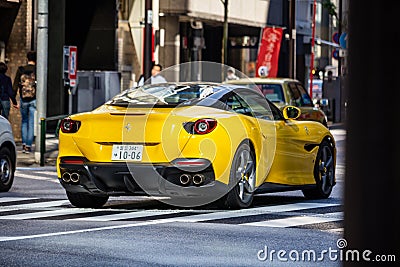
[156, 77]
[231, 74]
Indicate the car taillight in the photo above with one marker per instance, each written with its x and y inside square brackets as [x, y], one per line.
[68, 125]
[204, 126]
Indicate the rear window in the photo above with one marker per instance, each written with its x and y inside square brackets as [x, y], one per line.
[162, 95]
[273, 92]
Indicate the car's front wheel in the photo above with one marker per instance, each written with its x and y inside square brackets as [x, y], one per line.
[242, 178]
[80, 200]
[324, 172]
[7, 168]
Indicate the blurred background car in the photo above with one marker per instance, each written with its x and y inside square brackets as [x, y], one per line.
[8, 155]
[286, 91]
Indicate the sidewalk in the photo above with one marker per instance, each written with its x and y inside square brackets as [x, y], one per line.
[50, 155]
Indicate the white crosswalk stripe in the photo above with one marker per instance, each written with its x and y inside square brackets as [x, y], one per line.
[46, 204]
[11, 199]
[44, 214]
[252, 211]
[299, 220]
[289, 211]
[127, 215]
[53, 179]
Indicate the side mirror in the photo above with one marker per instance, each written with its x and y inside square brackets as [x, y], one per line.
[291, 112]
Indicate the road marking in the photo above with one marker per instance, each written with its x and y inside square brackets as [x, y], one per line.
[12, 199]
[252, 211]
[127, 215]
[29, 176]
[299, 220]
[152, 222]
[335, 230]
[43, 214]
[46, 204]
[49, 173]
[47, 168]
[191, 218]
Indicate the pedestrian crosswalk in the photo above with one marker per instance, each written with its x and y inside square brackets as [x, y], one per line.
[288, 215]
[326, 215]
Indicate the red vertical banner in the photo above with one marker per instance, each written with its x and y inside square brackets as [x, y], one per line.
[268, 53]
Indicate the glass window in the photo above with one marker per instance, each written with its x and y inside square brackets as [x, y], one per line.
[305, 97]
[272, 92]
[237, 106]
[299, 96]
[259, 106]
[163, 95]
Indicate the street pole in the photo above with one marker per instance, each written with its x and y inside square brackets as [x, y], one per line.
[292, 42]
[224, 58]
[148, 33]
[41, 70]
[312, 48]
[340, 33]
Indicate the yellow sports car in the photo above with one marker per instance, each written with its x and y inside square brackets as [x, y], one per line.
[193, 144]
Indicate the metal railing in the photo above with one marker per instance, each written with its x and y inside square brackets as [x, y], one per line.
[43, 126]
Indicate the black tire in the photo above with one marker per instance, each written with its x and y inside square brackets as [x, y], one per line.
[242, 179]
[7, 169]
[324, 172]
[80, 200]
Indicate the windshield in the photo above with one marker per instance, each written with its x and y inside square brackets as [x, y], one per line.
[272, 92]
[163, 94]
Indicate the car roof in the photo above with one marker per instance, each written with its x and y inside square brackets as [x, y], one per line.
[258, 80]
[220, 86]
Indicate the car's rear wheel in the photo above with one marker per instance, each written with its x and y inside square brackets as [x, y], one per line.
[324, 172]
[80, 200]
[7, 168]
[242, 178]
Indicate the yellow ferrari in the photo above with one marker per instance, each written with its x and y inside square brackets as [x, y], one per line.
[193, 144]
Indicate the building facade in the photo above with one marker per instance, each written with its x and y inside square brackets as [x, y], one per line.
[109, 35]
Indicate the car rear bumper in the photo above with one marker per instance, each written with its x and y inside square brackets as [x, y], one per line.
[120, 178]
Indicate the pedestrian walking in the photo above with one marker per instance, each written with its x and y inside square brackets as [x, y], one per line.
[231, 74]
[6, 92]
[25, 85]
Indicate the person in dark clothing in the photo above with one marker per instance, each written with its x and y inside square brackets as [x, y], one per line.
[6, 92]
[25, 85]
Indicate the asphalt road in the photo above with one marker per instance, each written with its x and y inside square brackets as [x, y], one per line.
[38, 227]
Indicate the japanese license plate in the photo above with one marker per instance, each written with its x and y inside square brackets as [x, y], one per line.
[127, 152]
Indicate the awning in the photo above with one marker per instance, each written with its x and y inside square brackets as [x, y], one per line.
[8, 13]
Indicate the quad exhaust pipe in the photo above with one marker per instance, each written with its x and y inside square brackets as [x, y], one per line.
[198, 179]
[186, 179]
[71, 177]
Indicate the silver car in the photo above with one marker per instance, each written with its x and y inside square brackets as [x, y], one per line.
[8, 155]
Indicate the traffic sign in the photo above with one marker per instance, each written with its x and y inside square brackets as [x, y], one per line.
[335, 53]
[343, 40]
[335, 38]
[72, 63]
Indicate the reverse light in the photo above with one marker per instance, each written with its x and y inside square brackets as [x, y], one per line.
[204, 126]
[69, 125]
